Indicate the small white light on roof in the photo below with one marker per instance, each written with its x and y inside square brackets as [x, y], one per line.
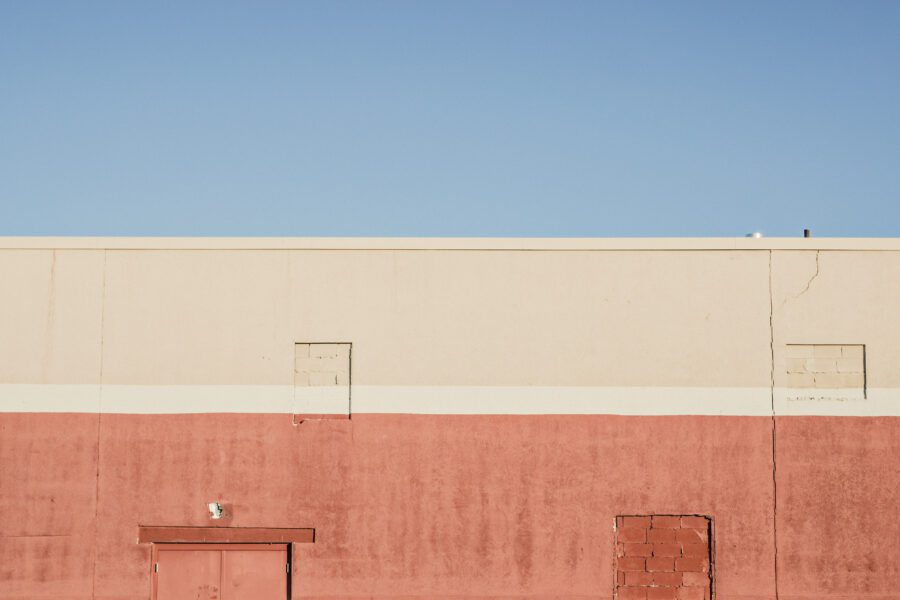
[215, 510]
[755, 234]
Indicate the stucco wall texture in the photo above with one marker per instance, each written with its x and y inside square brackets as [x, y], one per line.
[508, 400]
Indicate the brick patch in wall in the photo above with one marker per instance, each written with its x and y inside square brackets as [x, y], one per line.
[829, 370]
[663, 557]
[321, 364]
[321, 380]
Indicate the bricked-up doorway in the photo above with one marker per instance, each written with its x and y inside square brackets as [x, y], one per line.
[663, 557]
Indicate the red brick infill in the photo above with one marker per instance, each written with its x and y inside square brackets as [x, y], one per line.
[663, 557]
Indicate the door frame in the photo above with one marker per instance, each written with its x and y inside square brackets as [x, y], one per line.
[167, 546]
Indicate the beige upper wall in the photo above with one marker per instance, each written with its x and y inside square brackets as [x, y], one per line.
[50, 313]
[615, 317]
[840, 298]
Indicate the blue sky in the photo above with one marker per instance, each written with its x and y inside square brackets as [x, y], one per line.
[447, 119]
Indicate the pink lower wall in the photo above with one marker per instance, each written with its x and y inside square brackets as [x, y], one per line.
[838, 498]
[452, 506]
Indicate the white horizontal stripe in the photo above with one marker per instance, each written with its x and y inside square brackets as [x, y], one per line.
[561, 400]
[442, 400]
[178, 399]
[322, 400]
[26, 397]
[877, 402]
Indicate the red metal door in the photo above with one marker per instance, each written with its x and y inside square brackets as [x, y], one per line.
[194, 574]
[219, 572]
[254, 574]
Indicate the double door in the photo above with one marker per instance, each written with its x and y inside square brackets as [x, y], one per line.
[220, 572]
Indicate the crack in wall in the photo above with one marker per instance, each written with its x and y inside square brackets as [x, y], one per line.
[774, 419]
[808, 283]
[803, 291]
[99, 416]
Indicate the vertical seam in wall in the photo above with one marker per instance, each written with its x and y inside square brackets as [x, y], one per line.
[289, 293]
[99, 415]
[49, 320]
[774, 428]
[350, 384]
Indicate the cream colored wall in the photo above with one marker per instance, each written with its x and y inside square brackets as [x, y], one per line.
[414, 317]
[848, 298]
[539, 318]
[831, 297]
[50, 313]
[197, 317]
[575, 317]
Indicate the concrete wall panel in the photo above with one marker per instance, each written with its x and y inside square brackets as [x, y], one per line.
[539, 318]
[48, 484]
[837, 494]
[50, 315]
[197, 317]
[440, 507]
[514, 498]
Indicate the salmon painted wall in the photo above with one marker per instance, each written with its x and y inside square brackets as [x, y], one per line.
[509, 400]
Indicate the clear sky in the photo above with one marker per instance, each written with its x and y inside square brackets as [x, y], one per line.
[452, 118]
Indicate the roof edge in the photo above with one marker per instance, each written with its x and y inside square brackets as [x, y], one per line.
[444, 243]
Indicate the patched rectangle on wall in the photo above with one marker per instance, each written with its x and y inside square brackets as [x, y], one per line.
[826, 370]
[665, 557]
[322, 379]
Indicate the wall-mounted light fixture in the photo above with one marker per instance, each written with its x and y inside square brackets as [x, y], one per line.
[215, 510]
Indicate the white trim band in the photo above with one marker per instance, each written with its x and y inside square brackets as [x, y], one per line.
[850, 402]
[561, 400]
[440, 400]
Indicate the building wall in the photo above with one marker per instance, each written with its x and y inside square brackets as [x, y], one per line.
[508, 401]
